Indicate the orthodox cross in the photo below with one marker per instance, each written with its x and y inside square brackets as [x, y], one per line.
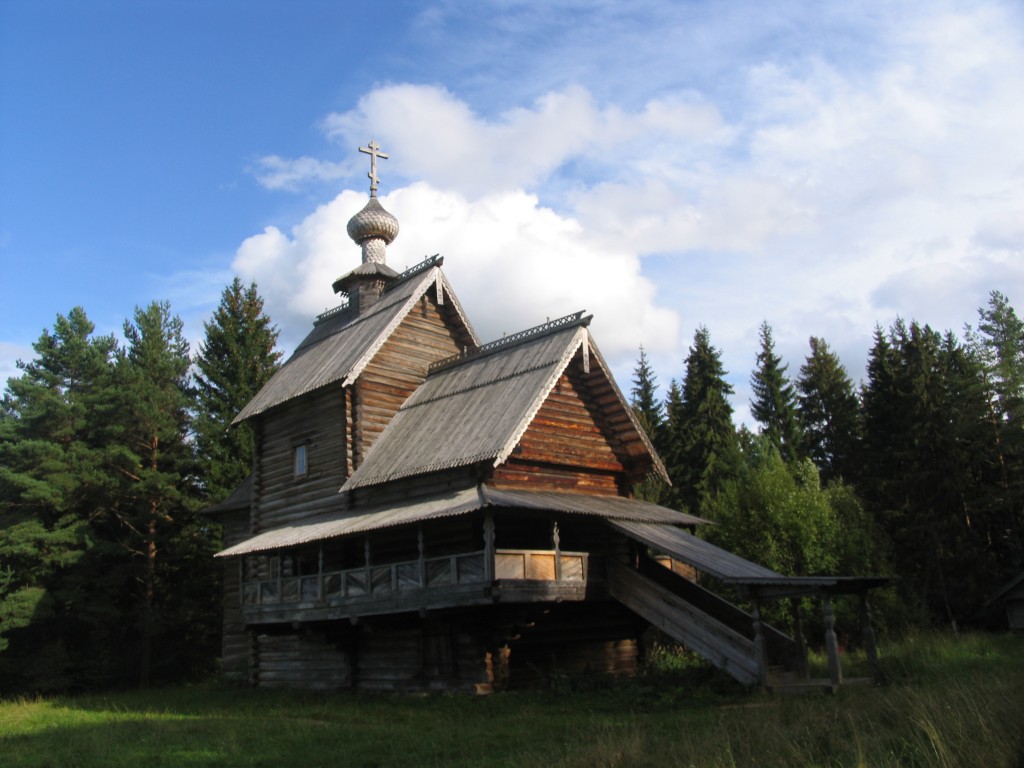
[374, 152]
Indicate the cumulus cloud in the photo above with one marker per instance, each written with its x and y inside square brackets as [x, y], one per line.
[444, 142]
[829, 194]
[513, 264]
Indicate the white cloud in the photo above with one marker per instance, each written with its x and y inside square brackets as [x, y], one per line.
[512, 263]
[275, 172]
[840, 192]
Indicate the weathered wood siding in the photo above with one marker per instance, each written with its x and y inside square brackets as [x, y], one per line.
[303, 660]
[398, 368]
[234, 638]
[402, 653]
[317, 421]
[564, 448]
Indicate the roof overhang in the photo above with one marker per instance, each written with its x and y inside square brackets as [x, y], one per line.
[754, 579]
[451, 504]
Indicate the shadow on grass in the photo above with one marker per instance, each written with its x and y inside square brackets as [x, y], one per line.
[952, 702]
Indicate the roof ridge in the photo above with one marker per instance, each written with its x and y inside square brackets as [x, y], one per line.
[429, 261]
[376, 309]
[521, 337]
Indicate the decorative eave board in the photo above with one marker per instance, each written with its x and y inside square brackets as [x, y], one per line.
[641, 435]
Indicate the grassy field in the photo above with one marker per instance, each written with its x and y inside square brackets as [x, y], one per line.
[950, 701]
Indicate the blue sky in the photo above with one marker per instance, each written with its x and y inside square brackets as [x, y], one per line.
[823, 166]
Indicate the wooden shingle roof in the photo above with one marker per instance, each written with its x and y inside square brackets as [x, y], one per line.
[477, 407]
[340, 346]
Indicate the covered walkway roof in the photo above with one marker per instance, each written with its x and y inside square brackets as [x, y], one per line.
[732, 569]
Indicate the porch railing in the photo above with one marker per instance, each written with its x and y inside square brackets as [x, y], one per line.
[426, 573]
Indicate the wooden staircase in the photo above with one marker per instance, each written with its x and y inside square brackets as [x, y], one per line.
[705, 623]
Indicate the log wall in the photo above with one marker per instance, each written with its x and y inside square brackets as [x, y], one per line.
[564, 448]
[317, 421]
[301, 660]
[234, 638]
[398, 368]
[505, 647]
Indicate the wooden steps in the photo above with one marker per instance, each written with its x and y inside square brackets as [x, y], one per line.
[722, 646]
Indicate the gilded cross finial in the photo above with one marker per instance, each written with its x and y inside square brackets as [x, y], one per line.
[374, 152]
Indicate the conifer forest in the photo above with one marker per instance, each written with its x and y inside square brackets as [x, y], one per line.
[110, 449]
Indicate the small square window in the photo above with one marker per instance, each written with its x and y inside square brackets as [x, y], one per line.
[299, 460]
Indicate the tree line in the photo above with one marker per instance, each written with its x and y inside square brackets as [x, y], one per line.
[108, 453]
[917, 473]
[110, 450]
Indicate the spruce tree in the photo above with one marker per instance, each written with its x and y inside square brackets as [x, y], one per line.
[999, 348]
[706, 450]
[774, 404]
[1002, 346]
[648, 412]
[236, 358]
[829, 413]
[883, 421]
[925, 412]
[644, 397]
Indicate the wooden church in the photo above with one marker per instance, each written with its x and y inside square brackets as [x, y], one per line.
[429, 512]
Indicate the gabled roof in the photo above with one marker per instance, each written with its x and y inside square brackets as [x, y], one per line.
[476, 407]
[340, 345]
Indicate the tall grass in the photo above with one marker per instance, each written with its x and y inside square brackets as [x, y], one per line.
[950, 701]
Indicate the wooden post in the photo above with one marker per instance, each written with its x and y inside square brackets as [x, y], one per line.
[868, 629]
[280, 578]
[835, 671]
[320, 573]
[421, 543]
[366, 563]
[801, 641]
[760, 648]
[558, 552]
[488, 547]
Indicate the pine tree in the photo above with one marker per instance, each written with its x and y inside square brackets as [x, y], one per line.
[829, 413]
[236, 358]
[52, 480]
[774, 404]
[153, 514]
[706, 450]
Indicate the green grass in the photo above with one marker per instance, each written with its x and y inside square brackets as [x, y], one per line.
[950, 701]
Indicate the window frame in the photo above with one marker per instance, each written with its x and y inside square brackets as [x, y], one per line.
[300, 461]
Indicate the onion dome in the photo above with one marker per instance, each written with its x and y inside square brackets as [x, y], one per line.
[373, 222]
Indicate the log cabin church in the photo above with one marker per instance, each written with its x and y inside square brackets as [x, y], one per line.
[429, 512]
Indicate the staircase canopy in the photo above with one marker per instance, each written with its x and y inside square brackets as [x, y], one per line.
[732, 569]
